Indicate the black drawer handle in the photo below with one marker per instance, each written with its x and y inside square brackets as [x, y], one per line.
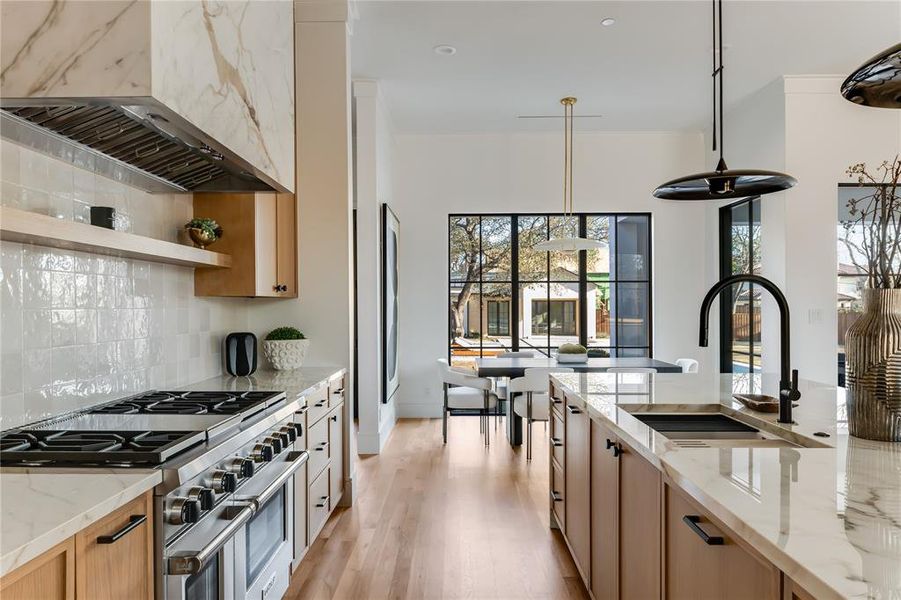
[556, 497]
[323, 502]
[338, 392]
[556, 442]
[133, 522]
[322, 446]
[573, 410]
[693, 523]
[320, 404]
[556, 400]
[335, 418]
[610, 443]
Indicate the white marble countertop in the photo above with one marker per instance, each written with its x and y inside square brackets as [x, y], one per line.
[297, 382]
[829, 517]
[42, 508]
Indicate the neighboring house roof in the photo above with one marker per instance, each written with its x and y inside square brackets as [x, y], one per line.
[845, 270]
[846, 298]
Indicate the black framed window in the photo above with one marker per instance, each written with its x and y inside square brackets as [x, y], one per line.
[740, 315]
[505, 295]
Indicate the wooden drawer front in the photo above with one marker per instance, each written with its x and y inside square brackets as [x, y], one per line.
[558, 440]
[557, 400]
[317, 405]
[696, 569]
[115, 559]
[336, 392]
[49, 576]
[318, 447]
[558, 500]
[318, 504]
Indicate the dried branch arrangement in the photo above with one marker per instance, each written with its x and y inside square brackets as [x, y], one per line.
[873, 235]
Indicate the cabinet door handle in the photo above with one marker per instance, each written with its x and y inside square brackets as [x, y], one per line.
[323, 502]
[573, 410]
[134, 521]
[617, 450]
[610, 443]
[334, 418]
[693, 522]
[322, 446]
[556, 497]
[556, 442]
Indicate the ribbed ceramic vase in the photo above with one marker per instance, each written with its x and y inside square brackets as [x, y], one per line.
[873, 363]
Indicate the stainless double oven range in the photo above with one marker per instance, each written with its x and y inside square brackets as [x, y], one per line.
[223, 514]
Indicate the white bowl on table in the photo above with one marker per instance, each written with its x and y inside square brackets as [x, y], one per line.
[572, 358]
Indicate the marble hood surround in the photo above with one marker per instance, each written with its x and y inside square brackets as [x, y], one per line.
[182, 95]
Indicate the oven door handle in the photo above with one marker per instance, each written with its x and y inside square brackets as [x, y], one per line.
[297, 458]
[189, 563]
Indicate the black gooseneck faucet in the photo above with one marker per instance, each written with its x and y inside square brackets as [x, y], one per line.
[788, 379]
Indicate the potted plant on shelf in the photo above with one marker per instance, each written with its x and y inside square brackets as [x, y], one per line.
[572, 353]
[873, 343]
[285, 348]
[203, 232]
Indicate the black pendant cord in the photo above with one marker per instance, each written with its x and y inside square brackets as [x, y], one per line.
[717, 74]
[722, 113]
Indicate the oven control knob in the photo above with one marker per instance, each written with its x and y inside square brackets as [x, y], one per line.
[283, 436]
[204, 496]
[242, 467]
[274, 441]
[183, 510]
[262, 453]
[298, 428]
[289, 431]
[223, 482]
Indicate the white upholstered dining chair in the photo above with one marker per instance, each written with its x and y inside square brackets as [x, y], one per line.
[466, 391]
[530, 398]
[689, 365]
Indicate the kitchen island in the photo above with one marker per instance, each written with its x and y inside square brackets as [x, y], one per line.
[812, 512]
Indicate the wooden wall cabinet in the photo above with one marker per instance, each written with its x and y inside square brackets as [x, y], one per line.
[109, 560]
[578, 486]
[260, 234]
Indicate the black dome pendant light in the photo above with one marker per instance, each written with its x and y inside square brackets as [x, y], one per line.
[878, 82]
[723, 183]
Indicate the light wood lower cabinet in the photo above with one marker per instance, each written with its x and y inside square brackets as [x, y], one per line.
[703, 560]
[109, 560]
[604, 514]
[50, 576]
[578, 487]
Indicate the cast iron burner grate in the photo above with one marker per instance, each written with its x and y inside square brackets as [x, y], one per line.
[138, 448]
[190, 403]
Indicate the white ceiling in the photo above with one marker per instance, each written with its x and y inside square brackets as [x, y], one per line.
[649, 71]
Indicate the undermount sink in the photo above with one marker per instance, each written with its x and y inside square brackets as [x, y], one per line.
[708, 427]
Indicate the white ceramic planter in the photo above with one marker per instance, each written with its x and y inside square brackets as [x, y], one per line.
[572, 358]
[285, 355]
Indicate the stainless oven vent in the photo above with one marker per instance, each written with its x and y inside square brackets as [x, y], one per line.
[142, 145]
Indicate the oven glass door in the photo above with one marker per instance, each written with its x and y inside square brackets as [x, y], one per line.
[266, 534]
[205, 585]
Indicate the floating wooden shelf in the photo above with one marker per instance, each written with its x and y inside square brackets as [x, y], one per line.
[27, 227]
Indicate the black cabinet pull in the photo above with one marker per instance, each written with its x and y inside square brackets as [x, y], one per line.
[556, 400]
[574, 410]
[617, 450]
[133, 522]
[556, 442]
[320, 404]
[323, 502]
[693, 523]
[335, 418]
[339, 391]
[556, 497]
[610, 443]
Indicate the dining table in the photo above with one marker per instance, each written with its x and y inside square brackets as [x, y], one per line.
[508, 368]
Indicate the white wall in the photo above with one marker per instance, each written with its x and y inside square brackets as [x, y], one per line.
[442, 174]
[374, 149]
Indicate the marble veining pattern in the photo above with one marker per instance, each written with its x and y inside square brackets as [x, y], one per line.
[41, 508]
[59, 49]
[295, 382]
[829, 517]
[229, 68]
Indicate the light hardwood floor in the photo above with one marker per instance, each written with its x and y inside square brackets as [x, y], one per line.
[435, 521]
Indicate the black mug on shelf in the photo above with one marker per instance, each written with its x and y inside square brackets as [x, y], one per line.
[241, 354]
[103, 216]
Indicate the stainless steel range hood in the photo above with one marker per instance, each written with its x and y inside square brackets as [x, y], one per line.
[137, 141]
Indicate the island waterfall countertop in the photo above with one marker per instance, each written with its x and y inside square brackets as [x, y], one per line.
[41, 507]
[829, 517]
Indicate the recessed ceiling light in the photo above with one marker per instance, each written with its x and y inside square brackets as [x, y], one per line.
[445, 50]
[608, 21]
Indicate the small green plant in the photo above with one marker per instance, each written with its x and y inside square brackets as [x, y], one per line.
[285, 333]
[209, 226]
[571, 349]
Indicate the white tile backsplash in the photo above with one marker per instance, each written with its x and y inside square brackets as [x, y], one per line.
[81, 328]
